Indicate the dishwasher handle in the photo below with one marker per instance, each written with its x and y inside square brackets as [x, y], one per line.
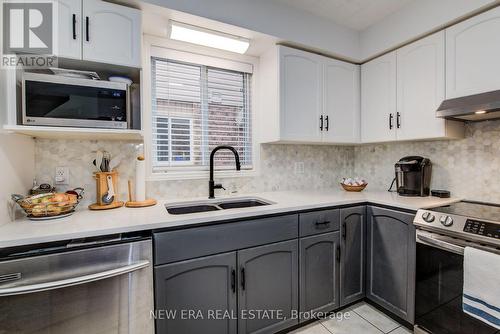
[72, 281]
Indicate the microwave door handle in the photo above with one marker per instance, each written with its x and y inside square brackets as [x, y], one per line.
[440, 244]
[72, 281]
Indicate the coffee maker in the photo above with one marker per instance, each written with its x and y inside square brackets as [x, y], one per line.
[413, 176]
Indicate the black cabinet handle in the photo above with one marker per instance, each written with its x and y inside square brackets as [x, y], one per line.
[323, 223]
[391, 117]
[243, 278]
[398, 119]
[87, 38]
[233, 280]
[74, 26]
[338, 253]
[327, 123]
[321, 122]
[344, 230]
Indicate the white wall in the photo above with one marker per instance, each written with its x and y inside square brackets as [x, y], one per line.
[17, 159]
[414, 20]
[284, 22]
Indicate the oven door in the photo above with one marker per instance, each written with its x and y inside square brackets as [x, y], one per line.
[439, 286]
[106, 290]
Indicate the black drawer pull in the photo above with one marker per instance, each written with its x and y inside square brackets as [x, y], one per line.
[391, 117]
[344, 230]
[338, 253]
[243, 278]
[320, 224]
[327, 123]
[233, 280]
[321, 123]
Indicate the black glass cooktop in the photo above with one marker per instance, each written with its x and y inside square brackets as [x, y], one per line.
[471, 209]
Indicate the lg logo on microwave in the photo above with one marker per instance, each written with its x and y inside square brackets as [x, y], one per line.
[27, 27]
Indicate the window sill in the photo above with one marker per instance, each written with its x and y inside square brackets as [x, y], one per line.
[201, 175]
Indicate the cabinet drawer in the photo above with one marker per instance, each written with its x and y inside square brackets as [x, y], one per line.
[190, 243]
[319, 222]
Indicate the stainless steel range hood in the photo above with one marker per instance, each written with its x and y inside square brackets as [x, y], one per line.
[477, 107]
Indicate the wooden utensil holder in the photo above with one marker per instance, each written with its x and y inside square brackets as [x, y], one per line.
[102, 189]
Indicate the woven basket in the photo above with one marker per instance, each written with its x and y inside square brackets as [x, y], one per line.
[353, 188]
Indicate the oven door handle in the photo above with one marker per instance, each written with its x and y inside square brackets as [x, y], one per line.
[424, 239]
[72, 281]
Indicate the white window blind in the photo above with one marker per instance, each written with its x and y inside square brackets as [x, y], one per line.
[196, 108]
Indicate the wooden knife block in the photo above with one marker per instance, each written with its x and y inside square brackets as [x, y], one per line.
[102, 189]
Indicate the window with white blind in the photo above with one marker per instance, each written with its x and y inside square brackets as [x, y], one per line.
[194, 109]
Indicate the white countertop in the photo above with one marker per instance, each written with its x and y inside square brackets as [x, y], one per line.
[86, 223]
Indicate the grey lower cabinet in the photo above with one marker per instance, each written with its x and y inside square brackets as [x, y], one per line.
[390, 270]
[319, 272]
[204, 284]
[268, 280]
[353, 249]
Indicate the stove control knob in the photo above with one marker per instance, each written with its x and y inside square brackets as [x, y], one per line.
[446, 221]
[428, 217]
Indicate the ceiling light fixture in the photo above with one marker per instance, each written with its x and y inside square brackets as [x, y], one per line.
[211, 38]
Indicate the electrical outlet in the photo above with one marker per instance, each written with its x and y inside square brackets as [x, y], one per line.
[299, 167]
[62, 175]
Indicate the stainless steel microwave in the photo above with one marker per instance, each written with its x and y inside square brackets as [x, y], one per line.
[52, 100]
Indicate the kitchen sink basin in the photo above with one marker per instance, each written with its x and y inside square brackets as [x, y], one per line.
[244, 203]
[182, 210]
[215, 205]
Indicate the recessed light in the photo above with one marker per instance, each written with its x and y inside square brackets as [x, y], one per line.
[481, 112]
[211, 38]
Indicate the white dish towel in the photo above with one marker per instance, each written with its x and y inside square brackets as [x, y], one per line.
[481, 298]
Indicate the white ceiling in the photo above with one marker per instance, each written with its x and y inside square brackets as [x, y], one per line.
[354, 14]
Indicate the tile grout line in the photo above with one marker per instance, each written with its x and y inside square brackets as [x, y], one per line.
[395, 329]
[368, 321]
[321, 323]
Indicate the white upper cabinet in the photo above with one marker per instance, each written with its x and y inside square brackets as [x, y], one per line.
[300, 95]
[378, 99]
[341, 98]
[420, 88]
[99, 31]
[69, 14]
[112, 33]
[472, 55]
[308, 98]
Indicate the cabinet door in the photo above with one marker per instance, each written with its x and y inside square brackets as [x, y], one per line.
[268, 281]
[69, 13]
[319, 272]
[391, 261]
[472, 53]
[203, 284]
[352, 267]
[420, 82]
[113, 35]
[341, 98]
[300, 95]
[378, 99]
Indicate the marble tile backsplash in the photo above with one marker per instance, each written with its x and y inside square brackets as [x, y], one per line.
[468, 167]
[323, 167]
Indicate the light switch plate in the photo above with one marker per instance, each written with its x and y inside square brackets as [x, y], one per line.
[62, 175]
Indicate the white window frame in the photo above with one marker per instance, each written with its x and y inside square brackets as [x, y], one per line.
[169, 49]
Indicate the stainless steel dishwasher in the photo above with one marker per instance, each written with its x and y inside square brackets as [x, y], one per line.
[90, 286]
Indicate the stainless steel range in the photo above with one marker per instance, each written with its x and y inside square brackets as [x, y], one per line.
[442, 234]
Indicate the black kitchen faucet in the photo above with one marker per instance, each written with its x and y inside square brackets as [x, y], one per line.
[211, 184]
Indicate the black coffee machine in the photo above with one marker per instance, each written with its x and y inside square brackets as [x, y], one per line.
[413, 176]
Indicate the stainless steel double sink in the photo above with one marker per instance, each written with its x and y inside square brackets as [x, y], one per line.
[215, 205]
